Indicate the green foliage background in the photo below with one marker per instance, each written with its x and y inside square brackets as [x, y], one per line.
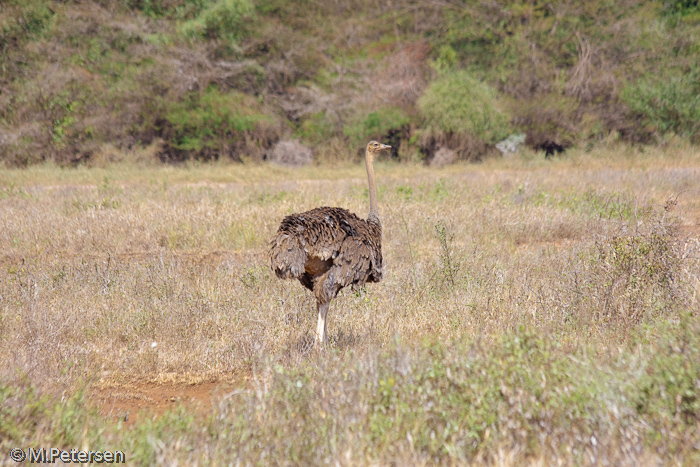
[564, 73]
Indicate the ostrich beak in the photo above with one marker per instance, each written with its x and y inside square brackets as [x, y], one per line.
[385, 146]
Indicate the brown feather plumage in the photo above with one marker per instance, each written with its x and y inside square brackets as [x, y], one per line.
[327, 249]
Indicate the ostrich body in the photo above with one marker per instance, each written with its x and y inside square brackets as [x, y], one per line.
[330, 248]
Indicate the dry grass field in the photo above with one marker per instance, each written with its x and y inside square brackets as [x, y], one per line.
[532, 311]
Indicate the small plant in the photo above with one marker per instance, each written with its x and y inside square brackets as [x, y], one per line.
[65, 111]
[449, 267]
[410, 252]
[446, 59]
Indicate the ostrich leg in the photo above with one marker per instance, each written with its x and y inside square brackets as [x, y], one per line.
[321, 336]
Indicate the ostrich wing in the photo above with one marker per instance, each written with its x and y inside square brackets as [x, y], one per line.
[358, 262]
[327, 238]
[315, 235]
[287, 256]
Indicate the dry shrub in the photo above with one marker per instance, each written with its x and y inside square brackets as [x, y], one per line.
[335, 150]
[549, 123]
[307, 103]
[591, 78]
[642, 272]
[533, 75]
[22, 145]
[465, 147]
[443, 156]
[290, 153]
[405, 76]
[600, 111]
[373, 99]
[108, 154]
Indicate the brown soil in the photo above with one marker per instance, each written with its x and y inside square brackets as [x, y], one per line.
[130, 402]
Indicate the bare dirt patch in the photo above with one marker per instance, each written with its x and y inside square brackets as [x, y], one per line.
[130, 401]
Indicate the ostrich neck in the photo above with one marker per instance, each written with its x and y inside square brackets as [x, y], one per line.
[373, 211]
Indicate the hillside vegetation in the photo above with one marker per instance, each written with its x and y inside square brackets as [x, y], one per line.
[89, 81]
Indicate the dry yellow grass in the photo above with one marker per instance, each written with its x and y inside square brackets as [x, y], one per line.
[100, 264]
[161, 273]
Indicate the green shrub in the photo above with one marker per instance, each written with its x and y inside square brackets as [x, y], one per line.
[459, 103]
[668, 103]
[222, 20]
[668, 391]
[681, 7]
[551, 117]
[212, 123]
[454, 403]
[317, 128]
[27, 416]
[375, 125]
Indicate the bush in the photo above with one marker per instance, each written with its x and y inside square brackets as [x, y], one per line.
[290, 153]
[459, 103]
[681, 7]
[213, 124]
[317, 128]
[640, 273]
[375, 125]
[222, 20]
[463, 146]
[670, 104]
[550, 122]
[668, 392]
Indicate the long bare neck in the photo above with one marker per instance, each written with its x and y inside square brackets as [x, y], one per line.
[373, 211]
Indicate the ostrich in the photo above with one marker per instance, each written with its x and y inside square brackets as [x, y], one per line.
[330, 248]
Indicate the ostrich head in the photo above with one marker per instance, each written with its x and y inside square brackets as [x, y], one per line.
[374, 147]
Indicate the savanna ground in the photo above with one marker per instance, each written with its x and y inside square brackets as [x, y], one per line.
[532, 311]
